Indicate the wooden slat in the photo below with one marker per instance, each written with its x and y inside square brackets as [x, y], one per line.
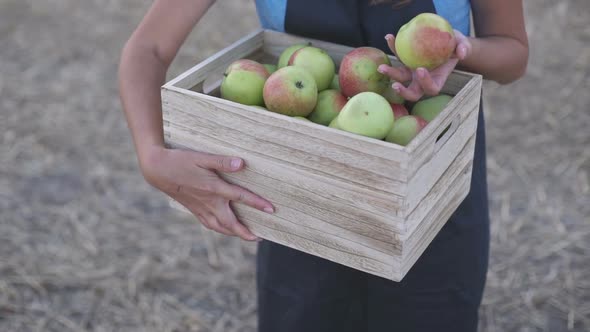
[438, 191]
[427, 175]
[418, 241]
[285, 143]
[240, 49]
[312, 241]
[359, 202]
[424, 144]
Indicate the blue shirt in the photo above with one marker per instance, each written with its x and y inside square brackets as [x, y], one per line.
[271, 13]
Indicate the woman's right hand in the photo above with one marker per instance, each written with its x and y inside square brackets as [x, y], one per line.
[190, 178]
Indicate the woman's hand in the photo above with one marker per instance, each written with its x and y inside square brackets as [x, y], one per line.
[190, 178]
[423, 82]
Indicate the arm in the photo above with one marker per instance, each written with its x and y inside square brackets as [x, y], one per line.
[188, 177]
[500, 49]
[146, 57]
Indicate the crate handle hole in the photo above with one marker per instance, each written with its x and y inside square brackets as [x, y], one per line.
[446, 133]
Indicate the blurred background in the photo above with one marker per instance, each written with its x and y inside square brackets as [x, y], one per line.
[87, 245]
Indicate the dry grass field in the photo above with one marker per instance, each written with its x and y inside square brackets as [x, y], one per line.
[87, 245]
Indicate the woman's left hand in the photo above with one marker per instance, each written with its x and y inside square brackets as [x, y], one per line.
[422, 81]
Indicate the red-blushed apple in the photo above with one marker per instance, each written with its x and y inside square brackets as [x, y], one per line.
[427, 40]
[430, 107]
[243, 82]
[358, 71]
[290, 91]
[367, 114]
[399, 110]
[288, 52]
[319, 64]
[405, 129]
[329, 104]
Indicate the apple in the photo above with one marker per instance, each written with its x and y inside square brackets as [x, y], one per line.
[392, 96]
[243, 82]
[399, 110]
[335, 85]
[405, 129]
[270, 67]
[301, 118]
[429, 108]
[286, 54]
[367, 114]
[358, 71]
[319, 64]
[427, 40]
[329, 104]
[290, 91]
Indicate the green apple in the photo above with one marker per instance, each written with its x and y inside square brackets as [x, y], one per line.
[358, 71]
[427, 41]
[301, 118]
[286, 54]
[270, 67]
[329, 104]
[405, 129]
[368, 114]
[243, 82]
[319, 64]
[392, 96]
[290, 91]
[429, 108]
[335, 85]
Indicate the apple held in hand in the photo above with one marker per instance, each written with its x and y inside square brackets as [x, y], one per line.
[367, 114]
[358, 71]
[428, 41]
[429, 108]
[329, 104]
[319, 64]
[243, 82]
[290, 91]
[405, 129]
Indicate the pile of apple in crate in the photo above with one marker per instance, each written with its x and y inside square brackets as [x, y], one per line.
[356, 174]
[357, 99]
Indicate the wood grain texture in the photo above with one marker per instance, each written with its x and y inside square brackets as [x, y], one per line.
[285, 143]
[428, 174]
[361, 202]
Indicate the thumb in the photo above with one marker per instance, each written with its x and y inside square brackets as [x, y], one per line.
[219, 162]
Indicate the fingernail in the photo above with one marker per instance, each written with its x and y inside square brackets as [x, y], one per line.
[269, 210]
[396, 88]
[258, 239]
[236, 163]
[420, 72]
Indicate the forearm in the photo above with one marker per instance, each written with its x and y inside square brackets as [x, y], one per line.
[141, 74]
[500, 59]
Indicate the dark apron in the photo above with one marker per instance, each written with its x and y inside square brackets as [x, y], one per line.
[303, 293]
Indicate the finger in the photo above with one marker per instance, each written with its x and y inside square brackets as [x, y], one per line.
[399, 74]
[440, 74]
[213, 224]
[428, 85]
[390, 39]
[219, 163]
[411, 93]
[463, 48]
[238, 194]
[228, 220]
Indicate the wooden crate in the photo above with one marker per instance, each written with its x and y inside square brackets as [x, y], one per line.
[361, 202]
